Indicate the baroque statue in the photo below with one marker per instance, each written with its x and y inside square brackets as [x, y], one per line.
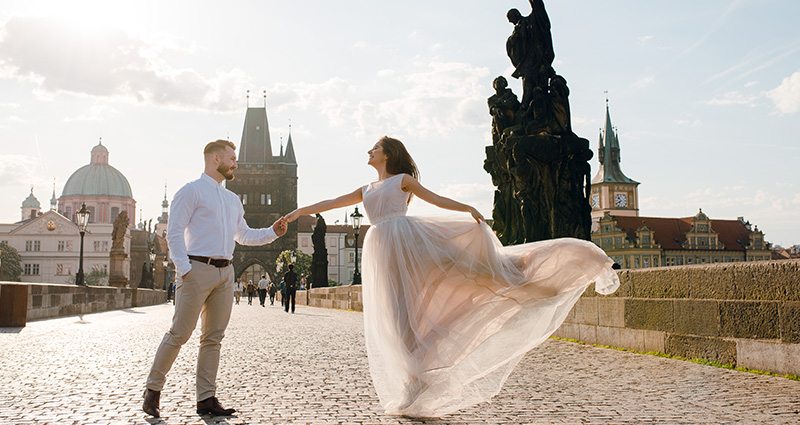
[539, 167]
[121, 224]
[319, 259]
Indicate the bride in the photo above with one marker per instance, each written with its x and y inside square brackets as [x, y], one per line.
[448, 310]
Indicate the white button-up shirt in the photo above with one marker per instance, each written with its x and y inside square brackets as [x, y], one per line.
[205, 219]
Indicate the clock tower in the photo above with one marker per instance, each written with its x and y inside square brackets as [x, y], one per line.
[612, 191]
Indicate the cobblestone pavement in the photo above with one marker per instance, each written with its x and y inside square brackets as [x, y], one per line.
[311, 368]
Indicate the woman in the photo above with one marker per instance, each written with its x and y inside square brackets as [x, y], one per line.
[448, 310]
[237, 290]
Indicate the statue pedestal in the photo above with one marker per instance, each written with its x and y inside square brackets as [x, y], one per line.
[116, 276]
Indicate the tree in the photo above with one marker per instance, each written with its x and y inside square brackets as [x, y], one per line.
[302, 263]
[10, 263]
[93, 278]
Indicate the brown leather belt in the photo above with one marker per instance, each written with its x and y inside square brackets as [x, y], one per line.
[212, 261]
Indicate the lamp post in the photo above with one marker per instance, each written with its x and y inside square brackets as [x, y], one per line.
[165, 263]
[356, 216]
[83, 219]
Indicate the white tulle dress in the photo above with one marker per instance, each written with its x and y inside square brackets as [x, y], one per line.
[449, 311]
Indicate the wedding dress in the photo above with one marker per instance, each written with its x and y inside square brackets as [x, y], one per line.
[449, 311]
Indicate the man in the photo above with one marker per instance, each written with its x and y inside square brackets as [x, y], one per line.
[291, 287]
[205, 220]
[273, 288]
[263, 284]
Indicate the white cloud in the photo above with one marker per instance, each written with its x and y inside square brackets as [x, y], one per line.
[734, 98]
[644, 82]
[18, 170]
[386, 72]
[360, 45]
[645, 38]
[95, 113]
[329, 98]
[751, 83]
[787, 95]
[110, 63]
[436, 99]
[691, 123]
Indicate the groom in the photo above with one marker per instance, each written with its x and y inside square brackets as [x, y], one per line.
[205, 220]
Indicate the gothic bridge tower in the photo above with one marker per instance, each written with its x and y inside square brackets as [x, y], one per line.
[267, 187]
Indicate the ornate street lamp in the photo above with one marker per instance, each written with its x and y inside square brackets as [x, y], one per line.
[165, 263]
[83, 219]
[356, 216]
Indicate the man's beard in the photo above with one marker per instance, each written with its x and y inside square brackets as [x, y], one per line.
[226, 172]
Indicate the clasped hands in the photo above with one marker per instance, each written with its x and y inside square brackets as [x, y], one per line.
[282, 223]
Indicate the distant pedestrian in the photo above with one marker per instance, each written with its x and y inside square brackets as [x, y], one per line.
[263, 284]
[237, 290]
[273, 288]
[291, 287]
[282, 288]
[251, 291]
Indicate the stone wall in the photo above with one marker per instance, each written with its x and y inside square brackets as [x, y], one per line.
[744, 314]
[46, 301]
[336, 297]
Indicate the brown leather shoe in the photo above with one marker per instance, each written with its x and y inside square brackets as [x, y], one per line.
[151, 403]
[212, 407]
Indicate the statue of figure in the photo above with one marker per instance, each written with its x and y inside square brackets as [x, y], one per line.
[319, 258]
[121, 224]
[559, 94]
[530, 48]
[503, 107]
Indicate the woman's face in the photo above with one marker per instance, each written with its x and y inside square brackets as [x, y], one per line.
[376, 155]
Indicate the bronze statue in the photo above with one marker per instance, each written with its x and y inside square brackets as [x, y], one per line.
[319, 259]
[537, 163]
[121, 224]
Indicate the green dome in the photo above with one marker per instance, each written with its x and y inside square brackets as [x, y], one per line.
[97, 180]
[31, 202]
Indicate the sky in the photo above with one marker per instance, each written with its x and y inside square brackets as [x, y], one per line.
[705, 95]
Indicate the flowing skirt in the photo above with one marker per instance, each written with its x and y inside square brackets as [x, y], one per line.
[449, 311]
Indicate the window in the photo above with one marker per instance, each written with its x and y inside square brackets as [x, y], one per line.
[670, 261]
[96, 246]
[352, 257]
[703, 241]
[636, 262]
[105, 246]
[63, 269]
[114, 213]
[655, 261]
[618, 240]
[64, 246]
[645, 239]
[703, 260]
[32, 245]
[607, 242]
[678, 261]
[263, 198]
[244, 199]
[690, 260]
[269, 199]
[332, 260]
[646, 262]
[30, 269]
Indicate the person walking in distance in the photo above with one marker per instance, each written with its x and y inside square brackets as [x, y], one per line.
[251, 291]
[262, 289]
[291, 287]
[273, 288]
[237, 290]
[206, 220]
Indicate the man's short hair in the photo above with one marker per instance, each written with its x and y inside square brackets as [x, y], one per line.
[218, 145]
[291, 266]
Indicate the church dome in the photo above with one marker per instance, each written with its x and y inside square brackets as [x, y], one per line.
[31, 201]
[98, 178]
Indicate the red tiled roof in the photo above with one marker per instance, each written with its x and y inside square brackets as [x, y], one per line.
[671, 232]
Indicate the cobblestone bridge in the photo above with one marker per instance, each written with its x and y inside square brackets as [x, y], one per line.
[311, 368]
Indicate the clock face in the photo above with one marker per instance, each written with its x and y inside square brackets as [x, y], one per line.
[621, 200]
[595, 201]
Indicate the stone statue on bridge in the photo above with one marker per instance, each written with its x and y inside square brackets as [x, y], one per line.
[319, 259]
[538, 165]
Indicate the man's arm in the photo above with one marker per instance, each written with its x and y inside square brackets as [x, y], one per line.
[180, 212]
[248, 236]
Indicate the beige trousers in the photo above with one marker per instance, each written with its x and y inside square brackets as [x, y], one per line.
[205, 292]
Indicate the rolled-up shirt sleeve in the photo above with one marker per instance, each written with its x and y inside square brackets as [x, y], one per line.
[180, 212]
[247, 236]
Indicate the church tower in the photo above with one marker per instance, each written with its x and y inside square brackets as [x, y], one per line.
[612, 191]
[267, 187]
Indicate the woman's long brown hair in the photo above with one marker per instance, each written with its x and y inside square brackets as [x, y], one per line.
[398, 160]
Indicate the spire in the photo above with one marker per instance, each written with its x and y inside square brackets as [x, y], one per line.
[281, 154]
[164, 207]
[256, 147]
[609, 155]
[289, 157]
[53, 199]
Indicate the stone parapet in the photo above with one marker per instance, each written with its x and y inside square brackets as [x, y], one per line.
[745, 314]
[47, 301]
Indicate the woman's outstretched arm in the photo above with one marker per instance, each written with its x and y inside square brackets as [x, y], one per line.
[410, 184]
[329, 204]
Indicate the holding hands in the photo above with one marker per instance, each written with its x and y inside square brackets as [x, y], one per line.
[280, 226]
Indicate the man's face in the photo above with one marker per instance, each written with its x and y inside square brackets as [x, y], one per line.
[227, 163]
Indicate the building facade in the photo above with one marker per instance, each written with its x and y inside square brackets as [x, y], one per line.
[635, 242]
[267, 187]
[340, 243]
